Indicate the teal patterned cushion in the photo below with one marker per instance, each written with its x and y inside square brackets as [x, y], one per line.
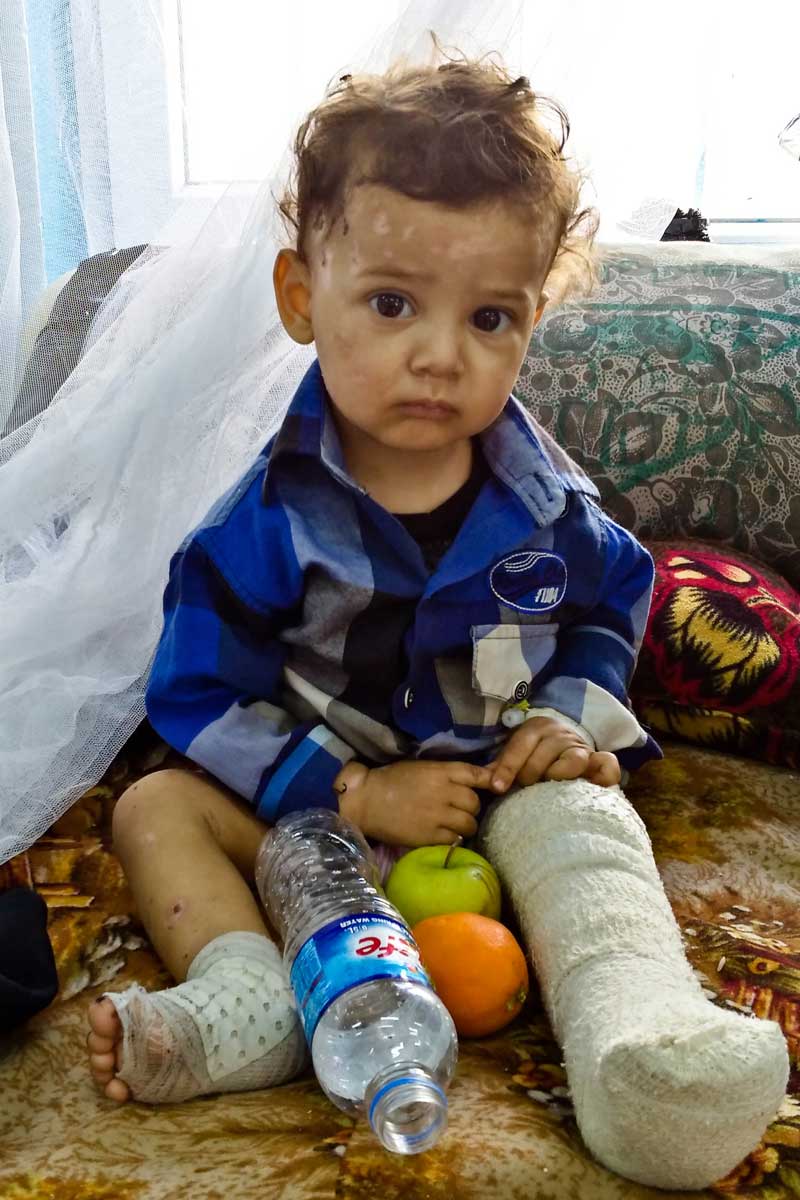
[676, 387]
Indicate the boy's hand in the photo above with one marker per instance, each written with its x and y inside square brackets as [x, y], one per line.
[413, 803]
[543, 748]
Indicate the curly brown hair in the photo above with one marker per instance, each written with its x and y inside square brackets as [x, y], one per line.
[461, 133]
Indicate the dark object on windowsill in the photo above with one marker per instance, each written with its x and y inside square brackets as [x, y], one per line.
[688, 226]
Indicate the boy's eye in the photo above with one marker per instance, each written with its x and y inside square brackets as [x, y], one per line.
[388, 304]
[489, 320]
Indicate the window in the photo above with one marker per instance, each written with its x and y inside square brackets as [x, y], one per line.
[746, 177]
[217, 97]
[200, 94]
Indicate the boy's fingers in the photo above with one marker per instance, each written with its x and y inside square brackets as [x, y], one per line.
[439, 837]
[571, 764]
[559, 748]
[465, 799]
[603, 769]
[531, 751]
[514, 754]
[460, 823]
[469, 775]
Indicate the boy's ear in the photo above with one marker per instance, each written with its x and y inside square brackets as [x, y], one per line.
[291, 279]
[540, 307]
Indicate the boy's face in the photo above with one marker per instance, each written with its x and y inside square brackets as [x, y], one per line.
[421, 314]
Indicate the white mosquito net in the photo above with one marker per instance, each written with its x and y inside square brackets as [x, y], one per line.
[132, 408]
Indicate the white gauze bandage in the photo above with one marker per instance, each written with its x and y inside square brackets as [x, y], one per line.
[669, 1089]
[231, 1026]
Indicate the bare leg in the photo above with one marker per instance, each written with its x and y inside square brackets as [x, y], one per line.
[188, 850]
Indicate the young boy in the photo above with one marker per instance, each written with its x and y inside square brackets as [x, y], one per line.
[409, 567]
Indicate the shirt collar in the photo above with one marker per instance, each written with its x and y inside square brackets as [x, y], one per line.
[519, 452]
[532, 464]
[309, 428]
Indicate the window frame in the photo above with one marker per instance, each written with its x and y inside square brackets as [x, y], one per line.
[158, 154]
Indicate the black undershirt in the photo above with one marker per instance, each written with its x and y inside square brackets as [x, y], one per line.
[434, 532]
[374, 656]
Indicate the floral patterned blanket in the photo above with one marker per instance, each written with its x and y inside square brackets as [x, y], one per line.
[726, 833]
[675, 386]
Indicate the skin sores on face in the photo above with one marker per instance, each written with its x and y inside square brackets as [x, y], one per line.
[421, 305]
[421, 316]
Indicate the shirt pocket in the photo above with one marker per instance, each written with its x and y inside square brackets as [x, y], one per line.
[507, 658]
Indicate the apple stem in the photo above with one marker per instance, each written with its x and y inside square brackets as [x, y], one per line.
[455, 844]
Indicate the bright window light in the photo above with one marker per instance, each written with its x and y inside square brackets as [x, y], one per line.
[746, 173]
[251, 70]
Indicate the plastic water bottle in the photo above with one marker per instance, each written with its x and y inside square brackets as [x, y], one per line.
[381, 1040]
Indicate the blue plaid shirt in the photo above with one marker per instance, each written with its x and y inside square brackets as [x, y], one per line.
[302, 627]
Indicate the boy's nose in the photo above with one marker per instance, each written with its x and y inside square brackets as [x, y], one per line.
[438, 352]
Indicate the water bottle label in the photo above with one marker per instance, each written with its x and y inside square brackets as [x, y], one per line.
[347, 952]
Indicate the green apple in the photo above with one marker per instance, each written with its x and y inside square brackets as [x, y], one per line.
[433, 880]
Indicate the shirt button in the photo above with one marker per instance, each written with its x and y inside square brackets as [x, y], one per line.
[408, 698]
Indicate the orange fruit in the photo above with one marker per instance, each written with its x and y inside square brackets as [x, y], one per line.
[477, 967]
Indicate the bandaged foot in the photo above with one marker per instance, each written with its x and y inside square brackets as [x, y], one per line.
[231, 1026]
[668, 1089]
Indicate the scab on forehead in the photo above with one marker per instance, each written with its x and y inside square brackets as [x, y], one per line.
[382, 225]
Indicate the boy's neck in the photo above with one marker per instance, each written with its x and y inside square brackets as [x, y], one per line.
[405, 481]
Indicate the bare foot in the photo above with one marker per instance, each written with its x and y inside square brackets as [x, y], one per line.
[105, 1042]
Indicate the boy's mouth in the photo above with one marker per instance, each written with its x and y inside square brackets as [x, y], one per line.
[431, 410]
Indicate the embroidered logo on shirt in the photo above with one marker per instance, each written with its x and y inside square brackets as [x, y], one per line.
[530, 581]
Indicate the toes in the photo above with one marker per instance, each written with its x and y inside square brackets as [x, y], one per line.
[103, 1019]
[103, 1065]
[118, 1091]
[100, 1045]
[104, 1042]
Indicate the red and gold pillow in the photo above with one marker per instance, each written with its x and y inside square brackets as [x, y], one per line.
[720, 664]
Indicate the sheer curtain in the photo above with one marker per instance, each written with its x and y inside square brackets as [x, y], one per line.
[22, 273]
[185, 370]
